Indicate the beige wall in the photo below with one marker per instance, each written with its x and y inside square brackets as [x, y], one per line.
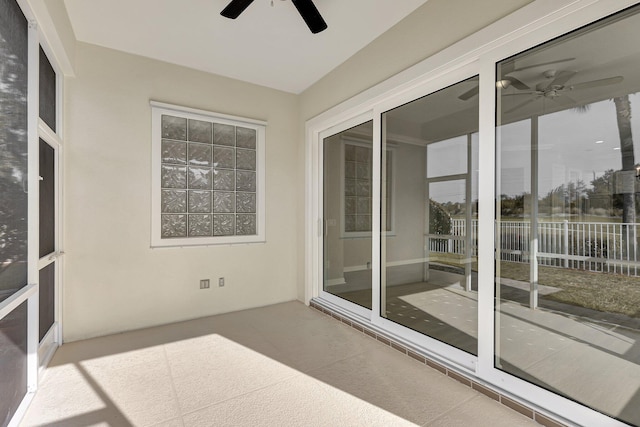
[432, 27]
[63, 31]
[113, 280]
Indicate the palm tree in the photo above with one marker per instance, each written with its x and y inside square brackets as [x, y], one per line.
[623, 116]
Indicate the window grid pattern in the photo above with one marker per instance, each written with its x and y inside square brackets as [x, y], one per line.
[357, 187]
[208, 179]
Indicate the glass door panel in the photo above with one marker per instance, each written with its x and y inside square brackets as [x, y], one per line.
[47, 203]
[47, 250]
[428, 265]
[568, 175]
[347, 202]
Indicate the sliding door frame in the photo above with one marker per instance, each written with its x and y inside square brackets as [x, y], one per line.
[53, 338]
[536, 23]
[361, 312]
[433, 348]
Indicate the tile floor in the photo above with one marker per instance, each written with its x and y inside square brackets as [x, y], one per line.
[281, 365]
[560, 347]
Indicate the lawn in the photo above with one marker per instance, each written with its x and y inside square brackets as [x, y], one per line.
[610, 293]
[605, 292]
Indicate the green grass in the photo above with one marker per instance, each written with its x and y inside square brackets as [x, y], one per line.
[605, 292]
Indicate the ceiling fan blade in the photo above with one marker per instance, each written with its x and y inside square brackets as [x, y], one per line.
[510, 67]
[528, 92]
[564, 102]
[557, 61]
[561, 78]
[517, 83]
[521, 105]
[470, 93]
[596, 83]
[235, 8]
[310, 14]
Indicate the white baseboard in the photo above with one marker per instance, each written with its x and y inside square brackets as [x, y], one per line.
[335, 282]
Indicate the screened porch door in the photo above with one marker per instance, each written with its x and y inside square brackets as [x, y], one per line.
[48, 252]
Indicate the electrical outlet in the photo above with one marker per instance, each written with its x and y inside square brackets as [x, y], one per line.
[204, 284]
[221, 282]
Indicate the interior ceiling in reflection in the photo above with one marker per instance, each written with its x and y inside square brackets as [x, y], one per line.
[583, 68]
[586, 67]
[437, 116]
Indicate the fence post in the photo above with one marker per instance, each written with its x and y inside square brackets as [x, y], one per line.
[565, 236]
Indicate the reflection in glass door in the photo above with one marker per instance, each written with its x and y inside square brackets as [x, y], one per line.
[347, 203]
[567, 309]
[429, 274]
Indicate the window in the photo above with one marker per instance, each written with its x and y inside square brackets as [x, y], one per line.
[208, 178]
[358, 188]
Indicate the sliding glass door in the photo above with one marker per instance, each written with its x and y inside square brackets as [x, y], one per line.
[429, 269]
[347, 214]
[492, 224]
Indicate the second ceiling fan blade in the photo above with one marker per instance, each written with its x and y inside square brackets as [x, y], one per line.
[235, 8]
[310, 14]
[560, 79]
[596, 83]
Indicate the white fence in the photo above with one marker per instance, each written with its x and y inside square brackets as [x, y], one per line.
[592, 246]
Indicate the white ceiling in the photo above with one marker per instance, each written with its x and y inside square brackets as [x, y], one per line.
[268, 46]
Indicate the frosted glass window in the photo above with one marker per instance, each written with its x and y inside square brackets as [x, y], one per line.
[209, 178]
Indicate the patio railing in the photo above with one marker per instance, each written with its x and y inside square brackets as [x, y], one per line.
[591, 246]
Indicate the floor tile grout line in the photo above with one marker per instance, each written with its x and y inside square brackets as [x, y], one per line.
[389, 341]
[306, 371]
[242, 395]
[456, 407]
[173, 385]
[298, 374]
[327, 365]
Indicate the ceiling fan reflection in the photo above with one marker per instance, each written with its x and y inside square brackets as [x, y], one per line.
[557, 89]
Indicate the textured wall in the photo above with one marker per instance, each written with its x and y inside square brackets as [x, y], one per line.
[113, 280]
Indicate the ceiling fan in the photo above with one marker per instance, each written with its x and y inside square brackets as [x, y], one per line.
[306, 8]
[558, 87]
[508, 68]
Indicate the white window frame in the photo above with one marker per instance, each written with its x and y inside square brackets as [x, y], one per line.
[363, 234]
[535, 23]
[157, 110]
